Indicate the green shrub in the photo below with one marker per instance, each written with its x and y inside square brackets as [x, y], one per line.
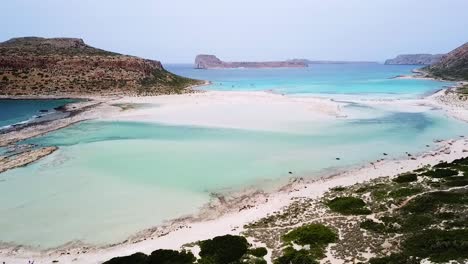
[292, 256]
[429, 202]
[348, 206]
[456, 182]
[160, 256]
[438, 245]
[407, 177]
[416, 222]
[166, 256]
[137, 258]
[404, 192]
[338, 189]
[311, 234]
[394, 259]
[258, 252]
[372, 226]
[223, 249]
[441, 173]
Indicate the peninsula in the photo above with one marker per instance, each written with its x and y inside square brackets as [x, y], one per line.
[36, 66]
[453, 66]
[204, 61]
[415, 59]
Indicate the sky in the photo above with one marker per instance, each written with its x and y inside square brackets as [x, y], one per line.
[175, 31]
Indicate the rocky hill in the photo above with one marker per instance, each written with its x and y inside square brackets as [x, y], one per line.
[204, 61]
[68, 66]
[414, 59]
[453, 66]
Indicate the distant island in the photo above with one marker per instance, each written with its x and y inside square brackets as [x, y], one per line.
[204, 61]
[33, 66]
[415, 59]
[307, 61]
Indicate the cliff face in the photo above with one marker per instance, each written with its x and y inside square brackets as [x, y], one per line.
[453, 66]
[68, 66]
[415, 59]
[212, 62]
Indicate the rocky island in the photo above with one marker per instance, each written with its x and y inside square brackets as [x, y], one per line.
[204, 61]
[36, 66]
[415, 59]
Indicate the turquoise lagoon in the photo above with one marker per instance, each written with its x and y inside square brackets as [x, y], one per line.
[109, 180]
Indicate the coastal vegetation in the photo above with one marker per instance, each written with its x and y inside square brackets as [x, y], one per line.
[227, 249]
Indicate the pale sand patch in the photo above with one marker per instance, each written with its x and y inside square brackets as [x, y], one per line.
[242, 110]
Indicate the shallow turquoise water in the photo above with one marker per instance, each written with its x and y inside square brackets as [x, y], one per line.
[355, 79]
[109, 180]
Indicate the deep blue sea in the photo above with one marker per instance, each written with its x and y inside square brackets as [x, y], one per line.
[18, 111]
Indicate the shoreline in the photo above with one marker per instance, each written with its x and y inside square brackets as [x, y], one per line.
[229, 216]
[225, 215]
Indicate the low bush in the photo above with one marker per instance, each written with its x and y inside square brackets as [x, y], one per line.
[292, 256]
[258, 252]
[311, 234]
[160, 256]
[438, 245]
[223, 249]
[407, 177]
[372, 226]
[441, 173]
[404, 192]
[348, 206]
[394, 259]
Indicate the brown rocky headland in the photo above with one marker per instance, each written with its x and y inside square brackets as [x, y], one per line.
[34, 66]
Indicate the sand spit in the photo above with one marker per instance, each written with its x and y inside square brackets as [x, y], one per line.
[24, 158]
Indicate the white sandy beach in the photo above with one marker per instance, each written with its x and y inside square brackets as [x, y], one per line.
[252, 110]
[227, 109]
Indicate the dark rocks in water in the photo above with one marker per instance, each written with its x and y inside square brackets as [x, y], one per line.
[290, 172]
[43, 111]
[337, 158]
[385, 154]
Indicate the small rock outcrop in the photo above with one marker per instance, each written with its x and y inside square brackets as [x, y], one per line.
[204, 61]
[415, 59]
[453, 66]
[35, 66]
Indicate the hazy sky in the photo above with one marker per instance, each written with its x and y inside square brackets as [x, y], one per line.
[177, 30]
